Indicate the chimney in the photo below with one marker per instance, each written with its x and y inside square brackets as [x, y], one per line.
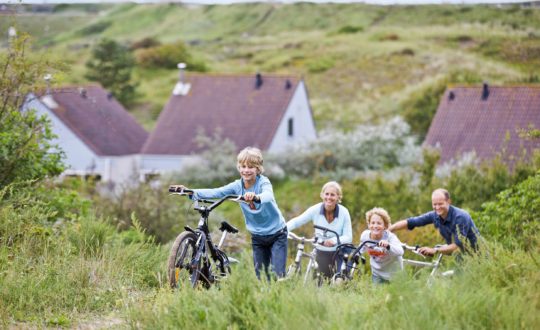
[181, 68]
[82, 92]
[181, 88]
[48, 78]
[258, 81]
[451, 96]
[288, 84]
[110, 96]
[485, 91]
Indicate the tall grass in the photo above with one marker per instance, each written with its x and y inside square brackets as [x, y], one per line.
[490, 292]
[53, 271]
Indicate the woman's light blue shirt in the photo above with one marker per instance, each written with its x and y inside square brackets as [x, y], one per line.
[265, 219]
[341, 224]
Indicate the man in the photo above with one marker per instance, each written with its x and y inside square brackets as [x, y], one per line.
[452, 223]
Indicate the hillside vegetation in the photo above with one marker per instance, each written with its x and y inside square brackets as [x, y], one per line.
[71, 258]
[361, 63]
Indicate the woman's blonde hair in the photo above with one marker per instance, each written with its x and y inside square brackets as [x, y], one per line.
[251, 157]
[381, 213]
[335, 185]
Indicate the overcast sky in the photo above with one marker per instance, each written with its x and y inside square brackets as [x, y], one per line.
[383, 2]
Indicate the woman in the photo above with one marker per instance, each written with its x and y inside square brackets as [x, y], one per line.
[329, 214]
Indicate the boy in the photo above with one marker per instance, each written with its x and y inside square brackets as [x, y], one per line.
[384, 261]
[262, 215]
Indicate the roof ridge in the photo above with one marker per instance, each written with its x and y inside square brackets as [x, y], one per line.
[518, 85]
[238, 75]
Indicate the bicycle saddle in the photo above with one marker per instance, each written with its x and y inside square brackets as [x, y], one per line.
[225, 226]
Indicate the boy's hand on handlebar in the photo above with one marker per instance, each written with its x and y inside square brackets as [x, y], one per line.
[177, 187]
[383, 243]
[427, 251]
[251, 197]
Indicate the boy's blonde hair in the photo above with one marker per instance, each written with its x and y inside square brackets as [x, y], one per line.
[251, 157]
[334, 185]
[381, 213]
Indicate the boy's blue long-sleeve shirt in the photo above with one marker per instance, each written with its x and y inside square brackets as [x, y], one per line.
[265, 219]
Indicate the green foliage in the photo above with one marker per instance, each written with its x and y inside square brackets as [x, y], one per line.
[320, 65]
[26, 151]
[95, 28]
[514, 218]
[168, 56]
[147, 42]
[346, 29]
[111, 65]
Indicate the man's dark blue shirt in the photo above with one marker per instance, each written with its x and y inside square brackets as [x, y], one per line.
[456, 219]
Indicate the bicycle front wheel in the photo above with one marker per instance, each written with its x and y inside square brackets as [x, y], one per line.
[182, 252]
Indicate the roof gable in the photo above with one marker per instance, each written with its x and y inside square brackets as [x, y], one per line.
[244, 113]
[98, 119]
[466, 121]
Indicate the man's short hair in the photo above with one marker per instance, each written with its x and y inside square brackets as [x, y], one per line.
[443, 191]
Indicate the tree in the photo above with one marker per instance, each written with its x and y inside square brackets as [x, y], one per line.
[26, 151]
[111, 65]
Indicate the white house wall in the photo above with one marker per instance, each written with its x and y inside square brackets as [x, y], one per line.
[159, 164]
[303, 124]
[79, 157]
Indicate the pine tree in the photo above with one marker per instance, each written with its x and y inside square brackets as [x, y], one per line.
[111, 65]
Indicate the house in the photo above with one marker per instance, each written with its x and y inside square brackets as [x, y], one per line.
[266, 111]
[485, 119]
[98, 136]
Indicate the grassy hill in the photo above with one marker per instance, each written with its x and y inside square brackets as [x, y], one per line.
[361, 63]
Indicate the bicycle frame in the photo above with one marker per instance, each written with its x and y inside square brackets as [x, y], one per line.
[206, 251]
[434, 264]
[312, 265]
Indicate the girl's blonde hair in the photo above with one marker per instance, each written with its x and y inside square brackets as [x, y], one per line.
[251, 157]
[381, 213]
[335, 185]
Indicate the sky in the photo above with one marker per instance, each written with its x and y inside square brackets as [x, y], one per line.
[380, 2]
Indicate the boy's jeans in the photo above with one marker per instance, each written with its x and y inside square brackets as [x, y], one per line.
[270, 250]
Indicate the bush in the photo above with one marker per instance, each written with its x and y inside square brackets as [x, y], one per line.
[514, 218]
[168, 56]
[367, 148]
[26, 151]
[144, 43]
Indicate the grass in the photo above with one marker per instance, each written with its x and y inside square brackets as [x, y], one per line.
[488, 293]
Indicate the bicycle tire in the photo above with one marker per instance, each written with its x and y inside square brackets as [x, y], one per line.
[179, 264]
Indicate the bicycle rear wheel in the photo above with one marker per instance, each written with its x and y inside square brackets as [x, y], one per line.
[179, 264]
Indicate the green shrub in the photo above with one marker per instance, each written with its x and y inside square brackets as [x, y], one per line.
[320, 65]
[514, 218]
[168, 56]
[349, 29]
[94, 28]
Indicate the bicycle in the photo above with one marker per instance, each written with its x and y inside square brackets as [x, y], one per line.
[295, 269]
[353, 263]
[434, 264]
[194, 258]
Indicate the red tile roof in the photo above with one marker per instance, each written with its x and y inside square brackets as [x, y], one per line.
[99, 120]
[246, 115]
[465, 122]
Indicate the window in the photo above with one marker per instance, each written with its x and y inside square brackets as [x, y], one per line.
[291, 127]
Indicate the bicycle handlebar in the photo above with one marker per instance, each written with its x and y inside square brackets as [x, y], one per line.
[295, 237]
[214, 203]
[325, 230]
[415, 249]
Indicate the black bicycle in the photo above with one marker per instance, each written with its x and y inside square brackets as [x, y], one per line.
[194, 258]
[353, 263]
